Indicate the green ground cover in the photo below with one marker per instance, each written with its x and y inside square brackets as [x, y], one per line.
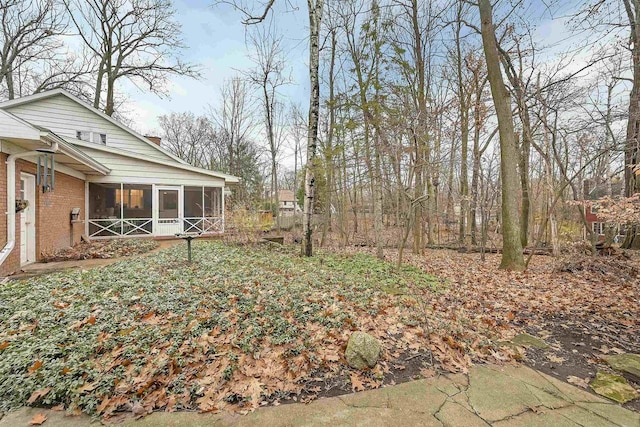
[239, 326]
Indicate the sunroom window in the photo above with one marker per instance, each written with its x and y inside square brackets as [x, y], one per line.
[120, 210]
[201, 208]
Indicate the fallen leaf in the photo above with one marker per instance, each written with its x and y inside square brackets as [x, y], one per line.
[36, 365]
[87, 387]
[332, 357]
[38, 394]
[580, 382]
[555, 359]
[4, 345]
[138, 410]
[255, 391]
[427, 372]
[356, 384]
[38, 419]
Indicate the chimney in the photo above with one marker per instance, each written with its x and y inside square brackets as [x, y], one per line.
[155, 139]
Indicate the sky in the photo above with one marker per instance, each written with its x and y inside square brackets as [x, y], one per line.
[215, 39]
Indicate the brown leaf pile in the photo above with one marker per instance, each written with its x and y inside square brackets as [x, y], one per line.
[600, 288]
[103, 249]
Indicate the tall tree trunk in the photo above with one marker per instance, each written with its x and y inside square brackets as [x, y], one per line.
[269, 104]
[632, 143]
[525, 151]
[11, 92]
[512, 258]
[378, 198]
[328, 146]
[315, 19]
[464, 135]
[450, 209]
[421, 134]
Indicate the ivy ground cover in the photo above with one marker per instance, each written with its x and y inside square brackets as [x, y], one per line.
[240, 327]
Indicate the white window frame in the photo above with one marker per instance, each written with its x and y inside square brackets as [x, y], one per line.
[598, 228]
[95, 137]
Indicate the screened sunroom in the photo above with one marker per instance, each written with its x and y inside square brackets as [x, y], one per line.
[127, 210]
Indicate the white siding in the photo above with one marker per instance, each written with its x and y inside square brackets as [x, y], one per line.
[10, 127]
[130, 170]
[64, 117]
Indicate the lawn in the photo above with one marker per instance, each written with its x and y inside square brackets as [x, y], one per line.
[240, 327]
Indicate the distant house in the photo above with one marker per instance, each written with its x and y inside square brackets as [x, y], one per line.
[288, 203]
[595, 189]
[102, 180]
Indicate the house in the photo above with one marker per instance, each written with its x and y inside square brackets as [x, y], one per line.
[70, 170]
[288, 203]
[595, 189]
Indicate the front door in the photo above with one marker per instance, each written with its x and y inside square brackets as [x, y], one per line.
[168, 210]
[28, 219]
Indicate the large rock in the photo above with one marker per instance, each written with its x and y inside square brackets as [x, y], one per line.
[614, 387]
[526, 340]
[363, 350]
[627, 363]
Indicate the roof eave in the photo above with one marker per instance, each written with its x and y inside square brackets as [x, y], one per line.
[74, 153]
[229, 179]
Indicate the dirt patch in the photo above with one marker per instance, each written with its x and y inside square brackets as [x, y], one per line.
[577, 349]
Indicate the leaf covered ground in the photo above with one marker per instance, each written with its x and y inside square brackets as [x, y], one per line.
[240, 327]
[103, 249]
[586, 308]
[249, 325]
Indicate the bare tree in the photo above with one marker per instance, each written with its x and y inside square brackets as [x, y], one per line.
[512, 258]
[137, 40]
[30, 47]
[188, 137]
[235, 118]
[315, 9]
[268, 76]
[315, 19]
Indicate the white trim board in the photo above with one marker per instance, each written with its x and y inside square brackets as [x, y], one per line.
[227, 178]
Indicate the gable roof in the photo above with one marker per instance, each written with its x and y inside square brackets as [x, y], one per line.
[55, 92]
[72, 156]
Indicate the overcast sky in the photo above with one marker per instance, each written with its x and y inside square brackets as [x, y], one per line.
[215, 38]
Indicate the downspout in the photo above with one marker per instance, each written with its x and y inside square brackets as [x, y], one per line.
[11, 197]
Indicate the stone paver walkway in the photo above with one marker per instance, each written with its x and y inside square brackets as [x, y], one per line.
[504, 396]
[501, 396]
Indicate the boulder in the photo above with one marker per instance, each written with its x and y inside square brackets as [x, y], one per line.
[614, 387]
[526, 340]
[363, 350]
[627, 363]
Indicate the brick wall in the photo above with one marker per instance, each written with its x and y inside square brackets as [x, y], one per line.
[54, 229]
